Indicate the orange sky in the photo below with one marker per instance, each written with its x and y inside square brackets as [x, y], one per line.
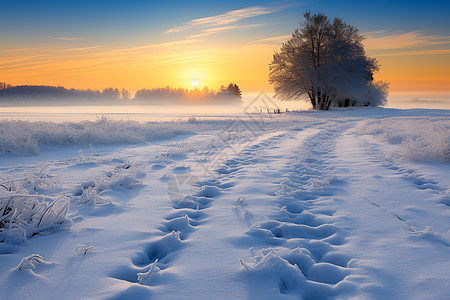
[174, 64]
[178, 64]
[412, 61]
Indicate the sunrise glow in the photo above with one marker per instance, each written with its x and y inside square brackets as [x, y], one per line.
[224, 149]
[147, 46]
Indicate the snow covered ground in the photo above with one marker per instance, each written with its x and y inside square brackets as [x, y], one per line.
[348, 204]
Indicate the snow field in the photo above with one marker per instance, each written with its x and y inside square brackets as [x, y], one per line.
[400, 237]
[301, 254]
[312, 205]
[416, 139]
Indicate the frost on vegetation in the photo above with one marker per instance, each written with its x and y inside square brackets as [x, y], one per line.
[153, 269]
[426, 148]
[269, 263]
[428, 231]
[32, 182]
[23, 215]
[242, 211]
[124, 175]
[30, 262]
[415, 139]
[25, 137]
[91, 195]
[165, 245]
[192, 120]
[295, 271]
[82, 249]
[81, 157]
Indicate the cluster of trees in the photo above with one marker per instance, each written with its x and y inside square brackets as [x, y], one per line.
[325, 60]
[50, 95]
[231, 89]
[230, 94]
[41, 91]
[4, 85]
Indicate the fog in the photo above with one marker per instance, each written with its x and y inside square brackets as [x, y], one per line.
[251, 102]
[141, 113]
[419, 100]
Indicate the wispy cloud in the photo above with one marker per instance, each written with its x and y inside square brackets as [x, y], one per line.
[20, 49]
[145, 48]
[417, 52]
[229, 17]
[16, 60]
[417, 43]
[67, 38]
[214, 30]
[275, 40]
[424, 101]
[85, 48]
[385, 39]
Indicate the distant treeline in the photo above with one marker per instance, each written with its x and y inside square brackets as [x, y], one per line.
[4, 85]
[230, 94]
[50, 95]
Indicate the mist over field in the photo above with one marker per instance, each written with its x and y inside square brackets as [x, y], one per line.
[224, 150]
[78, 111]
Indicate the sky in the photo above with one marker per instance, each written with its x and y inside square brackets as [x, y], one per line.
[147, 44]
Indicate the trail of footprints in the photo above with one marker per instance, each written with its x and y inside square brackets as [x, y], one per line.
[299, 244]
[175, 230]
[418, 180]
[188, 212]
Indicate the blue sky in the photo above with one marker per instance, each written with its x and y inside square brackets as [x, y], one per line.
[133, 20]
[41, 38]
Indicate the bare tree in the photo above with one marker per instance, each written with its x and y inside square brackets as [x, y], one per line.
[325, 61]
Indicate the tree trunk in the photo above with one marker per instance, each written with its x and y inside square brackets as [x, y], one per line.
[323, 101]
[312, 97]
[328, 103]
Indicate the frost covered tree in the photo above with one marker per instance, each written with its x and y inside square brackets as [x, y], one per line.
[326, 62]
[232, 89]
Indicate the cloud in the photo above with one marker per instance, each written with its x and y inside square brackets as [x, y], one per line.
[85, 48]
[387, 40]
[149, 50]
[67, 38]
[424, 101]
[214, 30]
[20, 49]
[15, 60]
[418, 52]
[275, 40]
[164, 45]
[229, 17]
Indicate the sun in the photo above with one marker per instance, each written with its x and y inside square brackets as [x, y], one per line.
[194, 83]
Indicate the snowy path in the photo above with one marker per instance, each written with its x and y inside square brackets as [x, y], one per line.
[207, 262]
[306, 210]
[391, 208]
